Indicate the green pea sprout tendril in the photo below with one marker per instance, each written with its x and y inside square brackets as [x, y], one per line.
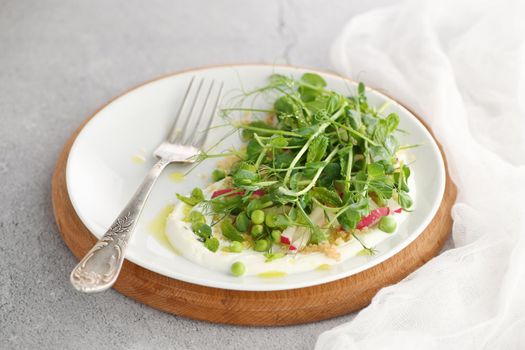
[314, 149]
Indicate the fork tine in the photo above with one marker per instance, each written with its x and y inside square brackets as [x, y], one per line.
[190, 113]
[201, 140]
[173, 132]
[201, 114]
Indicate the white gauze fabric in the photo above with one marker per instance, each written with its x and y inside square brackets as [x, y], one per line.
[459, 65]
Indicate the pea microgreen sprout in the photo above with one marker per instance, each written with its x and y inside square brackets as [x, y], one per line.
[218, 175]
[315, 149]
[212, 244]
[242, 222]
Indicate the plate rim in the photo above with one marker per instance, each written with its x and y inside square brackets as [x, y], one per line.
[296, 285]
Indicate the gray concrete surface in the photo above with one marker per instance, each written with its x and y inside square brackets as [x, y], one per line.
[59, 61]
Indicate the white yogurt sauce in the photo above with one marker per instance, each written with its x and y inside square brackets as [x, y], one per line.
[181, 236]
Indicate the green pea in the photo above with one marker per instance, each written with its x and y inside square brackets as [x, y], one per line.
[238, 269]
[257, 217]
[276, 236]
[242, 222]
[257, 230]
[218, 175]
[271, 220]
[235, 247]
[261, 245]
[197, 218]
[202, 230]
[387, 224]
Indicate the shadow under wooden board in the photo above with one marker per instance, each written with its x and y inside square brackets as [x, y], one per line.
[247, 307]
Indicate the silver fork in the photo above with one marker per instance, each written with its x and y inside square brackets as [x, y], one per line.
[100, 267]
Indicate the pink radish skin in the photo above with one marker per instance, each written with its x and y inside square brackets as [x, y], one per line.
[285, 240]
[258, 193]
[227, 190]
[373, 217]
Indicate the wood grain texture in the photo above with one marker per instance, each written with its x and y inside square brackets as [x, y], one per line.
[246, 307]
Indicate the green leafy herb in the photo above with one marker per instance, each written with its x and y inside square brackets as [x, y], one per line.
[273, 256]
[315, 150]
[202, 230]
[326, 197]
[230, 232]
[404, 200]
[196, 197]
[212, 244]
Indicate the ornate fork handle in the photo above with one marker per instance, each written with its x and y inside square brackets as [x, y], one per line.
[99, 269]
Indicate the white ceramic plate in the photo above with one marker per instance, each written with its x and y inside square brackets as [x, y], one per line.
[102, 174]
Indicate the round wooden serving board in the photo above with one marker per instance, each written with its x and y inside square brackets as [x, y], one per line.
[247, 307]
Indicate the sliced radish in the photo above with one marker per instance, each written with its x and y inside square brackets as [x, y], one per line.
[285, 240]
[398, 210]
[292, 247]
[373, 217]
[226, 190]
[258, 193]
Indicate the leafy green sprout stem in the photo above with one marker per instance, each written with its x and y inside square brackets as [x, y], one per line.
[320, 130]
[344, 154]
[286, 191]
[355, 133]
[266, 131]
[369, 249]
[227, 110]
[349, 164]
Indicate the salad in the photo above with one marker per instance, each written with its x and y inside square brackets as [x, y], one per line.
[317, 170]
